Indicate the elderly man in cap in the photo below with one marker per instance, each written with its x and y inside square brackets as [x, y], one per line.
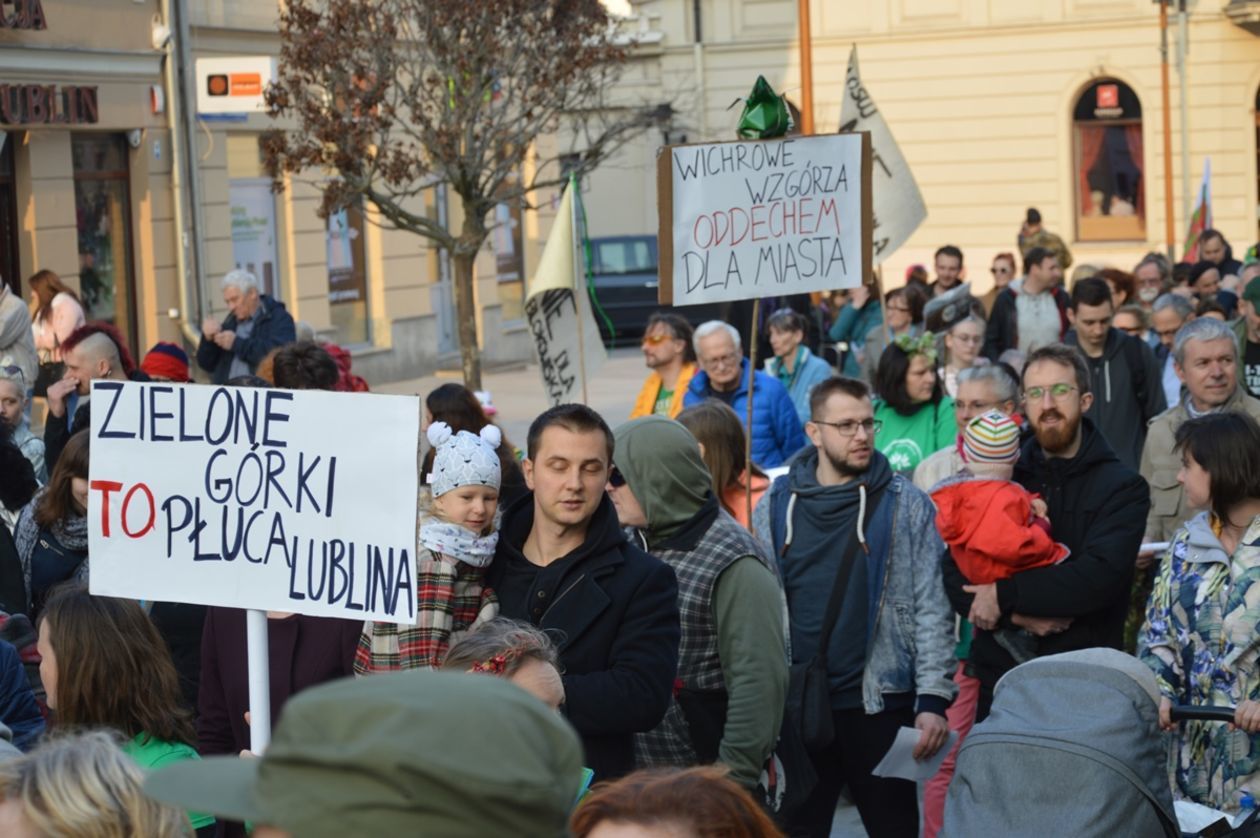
[408, 753]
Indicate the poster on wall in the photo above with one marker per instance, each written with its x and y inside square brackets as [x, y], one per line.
[253, 209]
[346, 281]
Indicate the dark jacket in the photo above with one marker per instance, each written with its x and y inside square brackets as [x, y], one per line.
[1097, 507]
[1128, 392]
[273, 328]
[614, 614]
[181, 624]
[1002, 333]
[57, 431]
[303, 652]
[18, 709]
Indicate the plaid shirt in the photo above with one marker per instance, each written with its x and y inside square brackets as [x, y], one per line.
[451, 601]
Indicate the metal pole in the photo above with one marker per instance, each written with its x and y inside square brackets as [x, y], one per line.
[259, 667]
[807, 68]
[1183, 49]
[1169, 210]
[188, 88]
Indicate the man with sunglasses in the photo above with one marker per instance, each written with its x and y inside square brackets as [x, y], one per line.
[668, 353]
[1096, 505]
[889, 652]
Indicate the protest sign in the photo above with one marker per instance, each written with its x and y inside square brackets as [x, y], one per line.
[897, 203]
[301, 501]
[566, 338]
[751, 219]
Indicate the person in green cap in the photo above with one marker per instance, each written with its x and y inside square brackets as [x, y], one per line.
[403, 753]
[732, 668]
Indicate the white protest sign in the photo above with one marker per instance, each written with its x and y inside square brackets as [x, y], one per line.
[278, 500]
[898, 204]
[760, 218]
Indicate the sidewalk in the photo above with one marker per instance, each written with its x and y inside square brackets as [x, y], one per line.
[518, 392]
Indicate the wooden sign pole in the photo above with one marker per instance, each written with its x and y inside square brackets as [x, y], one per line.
[753, 340]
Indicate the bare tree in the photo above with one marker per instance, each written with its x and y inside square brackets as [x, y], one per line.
[392, 97]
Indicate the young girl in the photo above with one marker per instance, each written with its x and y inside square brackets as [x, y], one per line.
[457, 536]
[13, 414]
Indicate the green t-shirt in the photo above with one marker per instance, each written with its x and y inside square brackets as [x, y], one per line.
[908, 440]
[150, 754]
[663, 400]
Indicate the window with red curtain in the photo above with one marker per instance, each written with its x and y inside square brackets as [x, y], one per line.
[1109, 161]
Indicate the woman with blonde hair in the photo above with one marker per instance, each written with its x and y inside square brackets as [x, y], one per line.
[82, 786]
[721, 436]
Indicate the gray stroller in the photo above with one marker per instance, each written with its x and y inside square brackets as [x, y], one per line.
[1071, 747]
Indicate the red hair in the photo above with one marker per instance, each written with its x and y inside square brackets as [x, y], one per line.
[108, 330]
[703, 800]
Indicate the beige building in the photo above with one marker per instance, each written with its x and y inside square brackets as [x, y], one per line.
[997, 105]
[94, 185]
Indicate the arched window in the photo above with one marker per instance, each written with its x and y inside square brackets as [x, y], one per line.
[1107, 141]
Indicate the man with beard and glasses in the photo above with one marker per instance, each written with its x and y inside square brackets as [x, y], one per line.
[889, 651]
[1097, 507]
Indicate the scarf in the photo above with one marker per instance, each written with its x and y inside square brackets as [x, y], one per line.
[71, 532]
[458, 542]
[1188, 401]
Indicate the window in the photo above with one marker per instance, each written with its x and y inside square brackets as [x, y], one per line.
[625, 255]
[102, 203]
[253, 208]
[509, 254]
[1110, 187]
[8, 216]
[347, 276]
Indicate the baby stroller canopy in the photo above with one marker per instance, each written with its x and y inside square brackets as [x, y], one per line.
[1072, 747]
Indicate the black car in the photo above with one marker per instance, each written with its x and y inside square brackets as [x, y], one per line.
[626, 282]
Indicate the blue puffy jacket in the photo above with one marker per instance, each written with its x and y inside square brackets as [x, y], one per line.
[777, 433]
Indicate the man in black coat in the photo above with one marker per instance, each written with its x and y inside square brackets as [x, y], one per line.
[256, 324]
[1097, 506]
[564, 565]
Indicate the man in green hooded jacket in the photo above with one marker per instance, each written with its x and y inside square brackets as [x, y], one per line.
[732, 662]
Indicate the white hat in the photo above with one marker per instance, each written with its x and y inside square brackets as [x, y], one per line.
[464, 459]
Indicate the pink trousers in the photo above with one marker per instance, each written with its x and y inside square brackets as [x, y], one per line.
[961, 716]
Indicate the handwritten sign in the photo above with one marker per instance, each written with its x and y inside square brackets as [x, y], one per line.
[279, 500]
[553, 318]
[771, 217]
[897, 203]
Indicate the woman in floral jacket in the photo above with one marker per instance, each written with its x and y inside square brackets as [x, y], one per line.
[1202, 630]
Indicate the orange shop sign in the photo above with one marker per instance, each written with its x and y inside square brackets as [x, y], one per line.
[233, 85]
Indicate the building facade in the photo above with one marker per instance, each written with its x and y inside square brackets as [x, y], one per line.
[997, 106]
[94, 186]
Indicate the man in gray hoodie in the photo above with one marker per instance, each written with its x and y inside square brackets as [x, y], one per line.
[732, 663]
[890, 654]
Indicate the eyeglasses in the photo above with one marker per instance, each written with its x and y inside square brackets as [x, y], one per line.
[730, 360]
[13, 373]
[1058, 392]
[656, 340]
[615, 478]
[849, 427]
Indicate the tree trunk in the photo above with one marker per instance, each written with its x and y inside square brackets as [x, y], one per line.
[466, 312]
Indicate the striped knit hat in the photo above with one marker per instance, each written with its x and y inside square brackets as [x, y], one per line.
[991, 438]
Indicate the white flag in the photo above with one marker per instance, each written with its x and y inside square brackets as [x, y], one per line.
[898, 206]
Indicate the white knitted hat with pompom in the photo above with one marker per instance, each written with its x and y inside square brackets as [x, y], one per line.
[464, 459]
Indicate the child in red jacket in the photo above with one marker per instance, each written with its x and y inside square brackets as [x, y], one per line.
[994, 527]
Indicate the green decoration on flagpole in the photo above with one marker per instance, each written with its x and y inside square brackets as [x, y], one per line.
[765, 114]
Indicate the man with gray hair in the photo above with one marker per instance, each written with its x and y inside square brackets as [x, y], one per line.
[1169, 313]
[1205, 356]
[255, 325]
[980, 389]
[776, 428]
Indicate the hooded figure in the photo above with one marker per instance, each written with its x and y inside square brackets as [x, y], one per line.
[732, 662]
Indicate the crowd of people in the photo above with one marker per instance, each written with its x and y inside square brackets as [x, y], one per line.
[679, 638]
